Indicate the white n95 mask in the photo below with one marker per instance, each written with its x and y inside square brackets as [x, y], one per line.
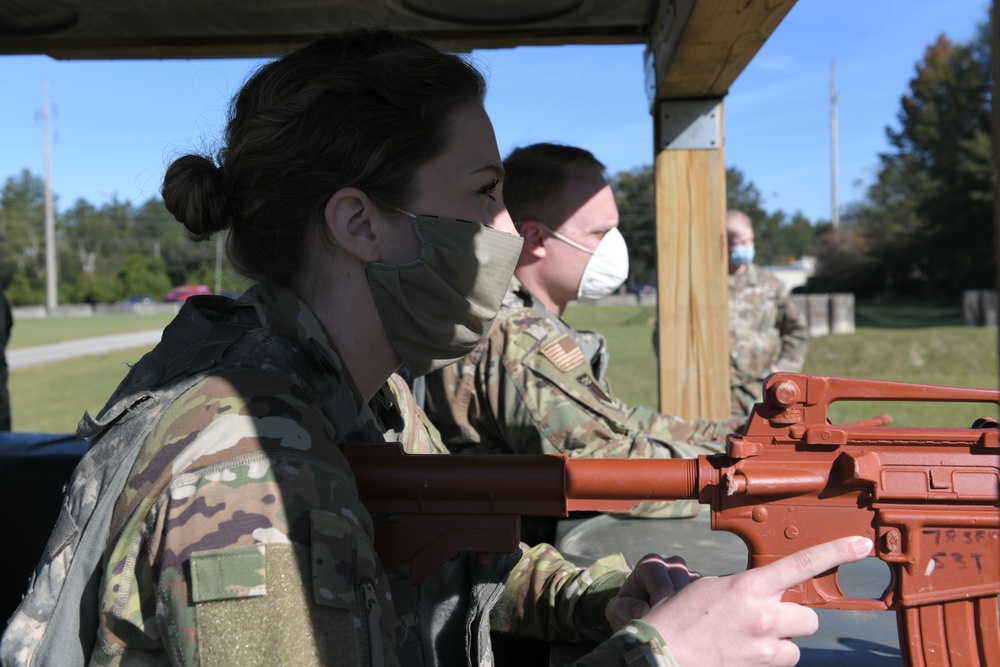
[607, 268]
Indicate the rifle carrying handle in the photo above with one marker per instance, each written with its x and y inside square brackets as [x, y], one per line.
[788, 389]
[962, 633]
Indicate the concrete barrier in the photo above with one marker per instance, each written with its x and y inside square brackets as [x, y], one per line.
[827, 313]
[979, 307]
[842, 313]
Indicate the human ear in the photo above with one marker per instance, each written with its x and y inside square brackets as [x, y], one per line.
[348, 217]
[534, 238]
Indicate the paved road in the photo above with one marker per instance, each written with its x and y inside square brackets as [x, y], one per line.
[43, 354]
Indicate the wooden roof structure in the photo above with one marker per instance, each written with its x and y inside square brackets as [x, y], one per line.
[695, 50]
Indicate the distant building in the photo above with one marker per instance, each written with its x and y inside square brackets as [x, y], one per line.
[794, 274]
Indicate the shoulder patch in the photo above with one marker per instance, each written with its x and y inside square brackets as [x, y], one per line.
[226, 574]
[564, 353]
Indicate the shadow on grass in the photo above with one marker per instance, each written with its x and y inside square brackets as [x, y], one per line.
[875, 315]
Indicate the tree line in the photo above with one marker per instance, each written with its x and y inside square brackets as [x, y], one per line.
[924, 227]
[779, 238]
[103, 253]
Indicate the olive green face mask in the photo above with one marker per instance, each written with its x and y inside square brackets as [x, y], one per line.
[437, 309]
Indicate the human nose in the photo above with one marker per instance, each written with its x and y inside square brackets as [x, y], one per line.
[502, 222]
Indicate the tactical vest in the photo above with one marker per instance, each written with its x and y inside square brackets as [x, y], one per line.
[56, 623]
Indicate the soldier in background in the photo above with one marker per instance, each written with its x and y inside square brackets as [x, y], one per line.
[536, 384]
[767, 332]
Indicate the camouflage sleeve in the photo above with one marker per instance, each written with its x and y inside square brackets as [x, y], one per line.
[246, 542]
[547, 597]
[636, 645]
[767, 333]
[687, 438]
[419, 435]
[538, 395]
[794, 335]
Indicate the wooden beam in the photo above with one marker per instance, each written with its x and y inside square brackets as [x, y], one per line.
[701, 46]
[263, 28]
[692, 279]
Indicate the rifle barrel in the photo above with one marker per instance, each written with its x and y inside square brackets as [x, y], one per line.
[607, 485]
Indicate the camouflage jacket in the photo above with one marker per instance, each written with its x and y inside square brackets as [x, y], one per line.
[537, 386]
[239, 537]
[767, 333]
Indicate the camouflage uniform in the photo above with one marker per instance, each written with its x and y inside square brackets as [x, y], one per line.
[239, 516]
[767, 333]
[538, 386]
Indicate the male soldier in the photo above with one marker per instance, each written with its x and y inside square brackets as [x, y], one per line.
[536, 385]
[766, 329]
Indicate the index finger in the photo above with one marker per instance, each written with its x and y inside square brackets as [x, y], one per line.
[779, 576]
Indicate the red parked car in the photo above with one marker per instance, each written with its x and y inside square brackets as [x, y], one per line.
[182, 292]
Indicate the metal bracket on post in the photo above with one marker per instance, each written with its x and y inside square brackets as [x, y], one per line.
[689, 124]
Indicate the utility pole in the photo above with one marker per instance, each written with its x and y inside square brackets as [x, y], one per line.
[51, 277]
[834, 100]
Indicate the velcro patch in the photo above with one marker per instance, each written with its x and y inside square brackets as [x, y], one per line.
[225, 574]
[564, 353]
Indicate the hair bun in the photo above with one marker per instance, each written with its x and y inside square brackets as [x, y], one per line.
[194, 192]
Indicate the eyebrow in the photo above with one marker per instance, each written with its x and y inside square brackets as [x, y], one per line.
[492, 168]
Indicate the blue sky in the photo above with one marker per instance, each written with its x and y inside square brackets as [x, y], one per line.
[117, 124]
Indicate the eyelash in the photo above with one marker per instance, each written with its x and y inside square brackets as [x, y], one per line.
[489, 188]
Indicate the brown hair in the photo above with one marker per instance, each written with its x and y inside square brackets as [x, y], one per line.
[535, 179]
[363, 109]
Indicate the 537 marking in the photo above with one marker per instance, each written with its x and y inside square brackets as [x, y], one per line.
[956, 538]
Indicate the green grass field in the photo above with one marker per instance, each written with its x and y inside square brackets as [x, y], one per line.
[51, 398]
[902, 343]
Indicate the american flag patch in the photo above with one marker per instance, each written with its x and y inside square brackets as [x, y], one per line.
[564, 353]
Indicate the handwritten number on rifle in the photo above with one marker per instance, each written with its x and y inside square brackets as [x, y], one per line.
[958, 560]
[952, 536]
[979, 561]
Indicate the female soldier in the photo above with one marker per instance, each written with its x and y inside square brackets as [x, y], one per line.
[214, 520]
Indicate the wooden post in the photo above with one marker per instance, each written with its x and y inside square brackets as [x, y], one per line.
[693, 287]
[696, 50]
